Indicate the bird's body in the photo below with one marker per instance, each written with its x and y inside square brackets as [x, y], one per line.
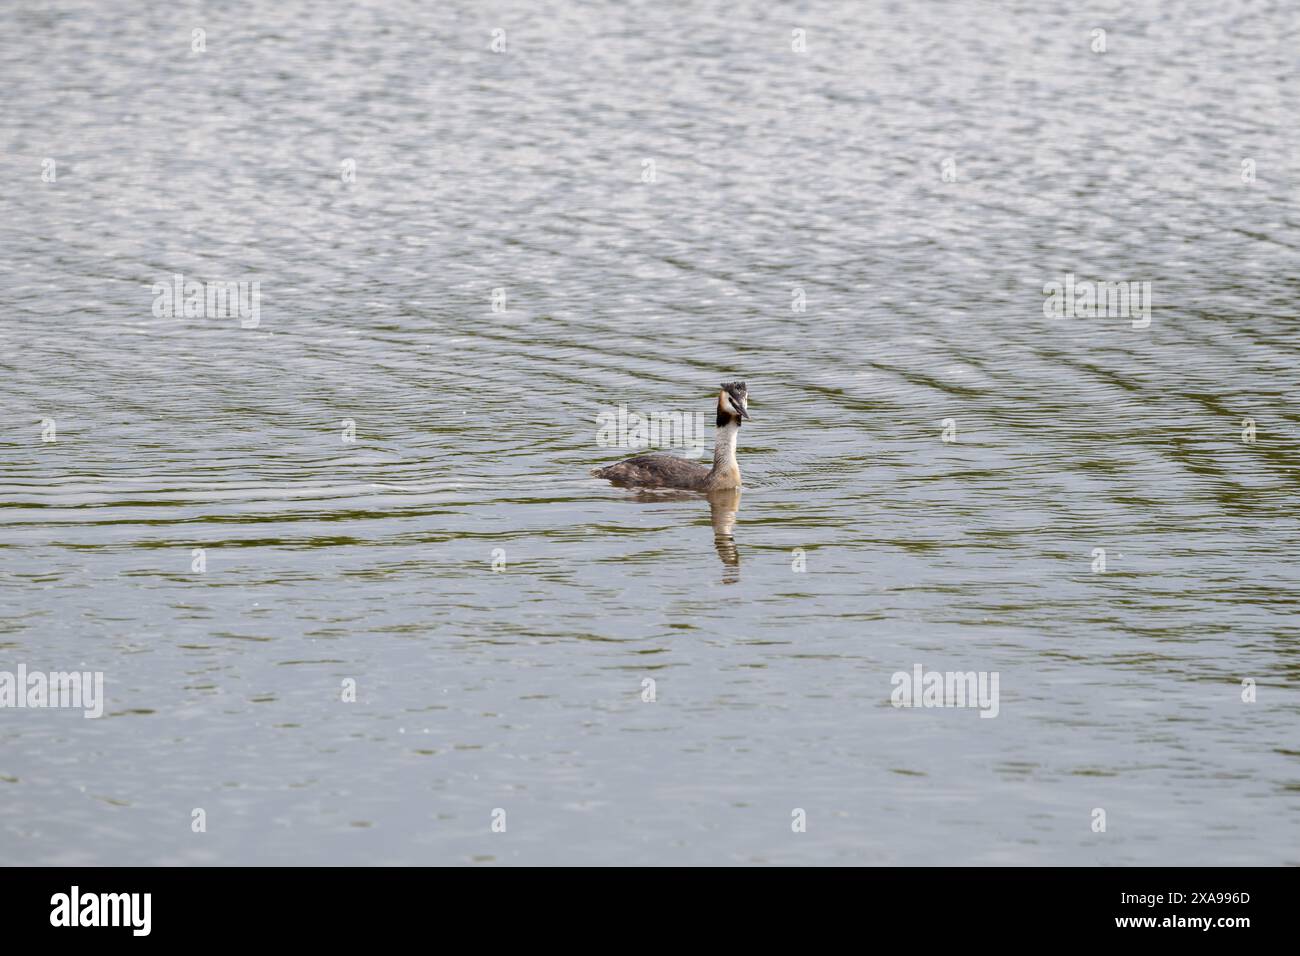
[658, 471]
[669, 471]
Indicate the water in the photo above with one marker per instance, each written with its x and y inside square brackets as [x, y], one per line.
[521, 689]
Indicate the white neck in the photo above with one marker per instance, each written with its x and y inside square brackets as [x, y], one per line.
[724, 447]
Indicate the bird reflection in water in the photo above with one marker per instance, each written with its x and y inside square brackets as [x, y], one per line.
[723, 505]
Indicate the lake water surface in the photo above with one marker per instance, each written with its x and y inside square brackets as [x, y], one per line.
[670, 197]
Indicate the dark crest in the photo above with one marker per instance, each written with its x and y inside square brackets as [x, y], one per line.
[738, 392]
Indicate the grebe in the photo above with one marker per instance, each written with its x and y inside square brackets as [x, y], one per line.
[669, 471]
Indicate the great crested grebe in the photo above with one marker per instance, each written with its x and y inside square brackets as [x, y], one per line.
[669, 471]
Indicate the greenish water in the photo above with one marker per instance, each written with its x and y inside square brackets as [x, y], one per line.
[521, 688]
